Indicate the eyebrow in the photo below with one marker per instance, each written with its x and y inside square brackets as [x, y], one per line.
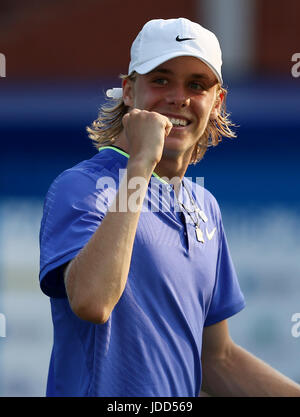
[167, 71]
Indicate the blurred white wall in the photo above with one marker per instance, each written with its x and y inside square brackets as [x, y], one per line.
[233, 22]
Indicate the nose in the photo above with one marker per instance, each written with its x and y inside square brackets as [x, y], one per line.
[178, 97]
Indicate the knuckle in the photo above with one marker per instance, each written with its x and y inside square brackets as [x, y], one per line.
[135, 111]
[125, 118]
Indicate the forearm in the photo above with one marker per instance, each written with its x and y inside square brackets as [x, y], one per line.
[97, 276]
[240, 374]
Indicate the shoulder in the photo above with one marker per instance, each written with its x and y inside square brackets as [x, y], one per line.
[69, 185]
[81, 178]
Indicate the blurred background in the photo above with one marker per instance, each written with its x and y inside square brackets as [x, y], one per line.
[60, 58]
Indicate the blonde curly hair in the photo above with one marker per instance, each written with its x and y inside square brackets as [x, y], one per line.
[108, 124]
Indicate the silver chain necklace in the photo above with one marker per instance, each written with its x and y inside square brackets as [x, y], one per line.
[198, 213]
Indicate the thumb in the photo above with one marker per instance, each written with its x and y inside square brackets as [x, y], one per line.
[168, 127]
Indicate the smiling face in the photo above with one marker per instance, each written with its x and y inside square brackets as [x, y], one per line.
[185, 90]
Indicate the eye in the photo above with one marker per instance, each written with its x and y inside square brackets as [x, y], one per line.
[197, 86]
[160, 81]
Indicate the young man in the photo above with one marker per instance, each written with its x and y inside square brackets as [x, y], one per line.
[133, 255]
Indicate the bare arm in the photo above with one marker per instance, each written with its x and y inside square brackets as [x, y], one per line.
[96, 277]
[229, 370]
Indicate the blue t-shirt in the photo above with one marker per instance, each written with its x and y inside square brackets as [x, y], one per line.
[151, 343]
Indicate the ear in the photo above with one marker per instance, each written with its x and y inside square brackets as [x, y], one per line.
[216, 110]
[128, 96]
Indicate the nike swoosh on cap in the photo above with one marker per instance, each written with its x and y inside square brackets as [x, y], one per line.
[183, 39]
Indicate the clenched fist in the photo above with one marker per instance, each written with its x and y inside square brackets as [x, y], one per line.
[146, 132]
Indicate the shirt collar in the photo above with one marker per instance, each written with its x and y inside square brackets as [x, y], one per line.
[125, 154]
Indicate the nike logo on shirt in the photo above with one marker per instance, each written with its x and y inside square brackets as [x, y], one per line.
[210, 234]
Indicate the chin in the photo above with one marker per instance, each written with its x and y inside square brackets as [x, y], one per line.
[173, 151]
[173, 141]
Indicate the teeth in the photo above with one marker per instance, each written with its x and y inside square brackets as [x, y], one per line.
[178, 122]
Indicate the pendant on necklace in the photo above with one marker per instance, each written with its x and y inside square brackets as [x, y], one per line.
[199, 234]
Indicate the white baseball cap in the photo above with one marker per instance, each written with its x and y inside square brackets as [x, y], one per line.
[161, 40]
